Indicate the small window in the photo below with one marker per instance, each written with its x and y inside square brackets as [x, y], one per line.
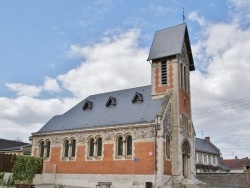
[167, 147]
[164, 77]
[184, 122]
[47, 149]
[185, 78]
[91, 147]
[41, 149]
[88, 105]
[181, 74]
[73, 148]
[204, 159]
[99, 147]
[119, 146]
[138, 97]
[111, 102]
[129, 145]
[213, 160]
[66, 148]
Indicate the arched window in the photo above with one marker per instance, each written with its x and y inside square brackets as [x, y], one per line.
[47, 149]
[41, 149]
[119, 146]
[91, 147]
[185, 78]
[73, 148]
[181, 74]
[66, 148]
[167, 147]
[99, 147]
[124, 146]
[129, 145]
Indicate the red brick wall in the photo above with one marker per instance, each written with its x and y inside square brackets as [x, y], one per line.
[108, 165]
[167, 163]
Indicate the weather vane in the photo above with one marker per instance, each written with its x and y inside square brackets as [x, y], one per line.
[183, 16]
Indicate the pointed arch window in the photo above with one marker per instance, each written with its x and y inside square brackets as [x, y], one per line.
[138, 97]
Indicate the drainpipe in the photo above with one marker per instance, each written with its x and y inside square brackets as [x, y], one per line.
[155, 153]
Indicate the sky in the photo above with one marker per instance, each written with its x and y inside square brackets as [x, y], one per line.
[54, 54]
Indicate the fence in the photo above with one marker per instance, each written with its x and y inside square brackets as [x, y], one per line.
[7, 162]
[225, 179]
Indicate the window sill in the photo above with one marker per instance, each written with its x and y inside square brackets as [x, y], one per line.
[68, 158]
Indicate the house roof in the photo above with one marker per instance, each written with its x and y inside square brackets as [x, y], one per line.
[237, 163]
[100, 115]
[5, 144]
[203, 145]
[223, 166]
[169, 42]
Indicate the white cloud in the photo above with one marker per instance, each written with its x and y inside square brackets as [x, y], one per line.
[195, 16]
[24, 89]
[109, 65]
[23, 115]
[51, 85]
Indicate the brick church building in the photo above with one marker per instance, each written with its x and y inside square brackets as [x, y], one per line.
[129, 137]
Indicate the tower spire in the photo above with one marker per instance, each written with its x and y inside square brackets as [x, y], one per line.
[183, 16]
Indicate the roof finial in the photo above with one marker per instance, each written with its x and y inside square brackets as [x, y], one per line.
[183, 16]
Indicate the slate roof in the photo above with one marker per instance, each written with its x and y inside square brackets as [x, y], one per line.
[237, 163]
[223, 166]
[207, 147]
[169, 42]
[6, 144]
[124, 112]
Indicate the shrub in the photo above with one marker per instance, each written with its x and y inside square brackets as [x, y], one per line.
[25, 168]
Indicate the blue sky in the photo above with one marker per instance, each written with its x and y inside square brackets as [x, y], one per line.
[55, 53]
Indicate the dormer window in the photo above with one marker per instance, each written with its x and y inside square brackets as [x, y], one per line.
[88, 105]
[111, 102]
[138, 97]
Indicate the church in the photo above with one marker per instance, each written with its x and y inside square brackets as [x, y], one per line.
[132, 137]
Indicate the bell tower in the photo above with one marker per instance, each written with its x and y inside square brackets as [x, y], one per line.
[171, 62]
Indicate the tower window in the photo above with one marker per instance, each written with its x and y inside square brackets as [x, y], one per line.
[164, 75]
[185, 78]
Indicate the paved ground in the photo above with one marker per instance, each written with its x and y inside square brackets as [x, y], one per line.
[52, 186]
